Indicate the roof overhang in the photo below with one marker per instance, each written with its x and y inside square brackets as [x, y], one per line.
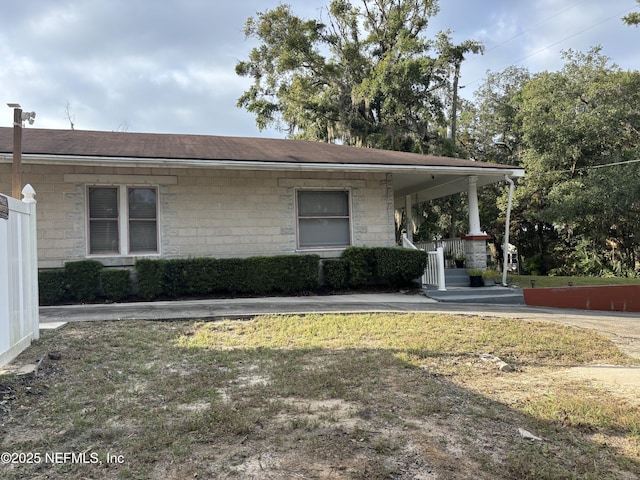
[426, 181]
[438, 183]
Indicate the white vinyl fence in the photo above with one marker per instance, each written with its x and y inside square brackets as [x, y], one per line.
[19, 315]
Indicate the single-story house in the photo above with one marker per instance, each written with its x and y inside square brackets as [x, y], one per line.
[118, 196]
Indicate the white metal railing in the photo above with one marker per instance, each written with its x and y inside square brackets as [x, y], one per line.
[434, 273]
[19, 314]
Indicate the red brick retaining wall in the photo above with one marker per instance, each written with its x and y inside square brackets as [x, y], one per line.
[621, 298]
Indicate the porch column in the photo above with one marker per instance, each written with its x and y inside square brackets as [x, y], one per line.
[409, 217]
[474, 211]
[476, 239]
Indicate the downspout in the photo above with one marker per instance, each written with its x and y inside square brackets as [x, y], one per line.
[505, 248]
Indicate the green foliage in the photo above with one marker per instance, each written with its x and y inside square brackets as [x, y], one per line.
[575, 131]
[285, 274]
[360, 263]
[116, 284]
[150, 274]
[52, 286]
[84, 279]
[383, 265]
[399, 266]
[632, 18]
[364, 74]
[336, 273]
[206, 276]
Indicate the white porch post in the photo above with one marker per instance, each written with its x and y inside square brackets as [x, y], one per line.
[474, 211]
[476, 239]
[409, 217]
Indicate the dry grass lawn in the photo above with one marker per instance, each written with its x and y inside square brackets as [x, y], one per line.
[380, 396]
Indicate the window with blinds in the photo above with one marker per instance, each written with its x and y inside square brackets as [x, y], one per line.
[122, 220]
[104, 235]
[323, 218]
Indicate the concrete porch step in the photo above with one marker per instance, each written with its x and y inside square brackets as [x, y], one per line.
[491, 295]
[456, 277]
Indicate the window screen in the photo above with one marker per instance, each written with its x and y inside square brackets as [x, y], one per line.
[143, 232]
[323, 219]
[103, 220]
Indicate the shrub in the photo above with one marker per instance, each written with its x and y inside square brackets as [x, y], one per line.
[84, 279]
[205, 276]
[52, 286]
[335, 273]
[281, 273]
[360, 263]
[399, 266]
[383, 265]
[116, 284]
[175, 278]
[150, 275]
[229, 275]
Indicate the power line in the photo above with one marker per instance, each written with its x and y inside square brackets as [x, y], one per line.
[570, 36]
[591, 167]
[531, 28]
[555, 43]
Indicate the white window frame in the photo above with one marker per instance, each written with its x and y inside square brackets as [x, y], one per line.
[349, 217]
[123, 221]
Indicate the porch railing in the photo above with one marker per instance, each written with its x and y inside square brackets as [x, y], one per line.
[434, 273]
[452, 247]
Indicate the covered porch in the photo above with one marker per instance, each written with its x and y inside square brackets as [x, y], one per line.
[418, 187]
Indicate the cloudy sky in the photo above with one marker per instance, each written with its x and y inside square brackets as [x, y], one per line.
[167, 66]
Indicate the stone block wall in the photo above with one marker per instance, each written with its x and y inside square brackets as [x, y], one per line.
[202, 212]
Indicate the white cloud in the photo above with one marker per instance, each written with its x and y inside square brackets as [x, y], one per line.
[169, 66]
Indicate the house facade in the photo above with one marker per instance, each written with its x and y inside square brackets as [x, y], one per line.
[116, 197]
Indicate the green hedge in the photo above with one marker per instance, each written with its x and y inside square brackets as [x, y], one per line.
[379, 266]
[399, 266]
[150, 275]
[205, 276]
[84, 279]
[336, 273]
[116, 284]
[360, 263]
[52, 286]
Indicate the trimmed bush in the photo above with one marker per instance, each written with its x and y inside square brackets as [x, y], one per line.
[229, 275]
[383, 265]
[52, 286]
[399, 266]
[84, 279]
[206, 276]
[150, 274]
[116, 284]
[360, 263]
[335, 273]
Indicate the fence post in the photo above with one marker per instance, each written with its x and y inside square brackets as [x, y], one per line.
[31, 263]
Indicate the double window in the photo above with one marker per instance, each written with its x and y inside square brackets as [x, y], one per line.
[324, 218]
[123, 220]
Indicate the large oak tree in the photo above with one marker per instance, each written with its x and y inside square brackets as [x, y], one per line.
[365, 74]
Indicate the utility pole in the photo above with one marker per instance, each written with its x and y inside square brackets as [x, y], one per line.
[454, 101]
[16, 171]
